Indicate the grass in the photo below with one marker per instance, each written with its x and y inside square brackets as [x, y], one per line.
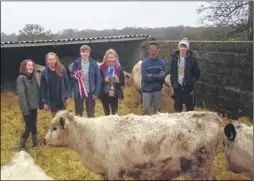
[64, 164]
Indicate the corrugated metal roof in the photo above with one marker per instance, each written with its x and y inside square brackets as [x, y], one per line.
[74, 41]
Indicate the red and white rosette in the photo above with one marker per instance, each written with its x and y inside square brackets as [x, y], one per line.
[78, 74]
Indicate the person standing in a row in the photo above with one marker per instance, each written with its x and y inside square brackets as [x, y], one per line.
[112, 80]
[54, 85]
[85, 82]
[153, 70]
[28, 94]
[184, 73]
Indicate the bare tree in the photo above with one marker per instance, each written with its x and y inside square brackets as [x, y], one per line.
[236, 14]
[34, 32]
[250, 20]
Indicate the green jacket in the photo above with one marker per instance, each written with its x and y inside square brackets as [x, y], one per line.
[28, 92]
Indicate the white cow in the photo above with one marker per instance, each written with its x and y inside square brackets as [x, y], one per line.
[22, 167]
[137, 77]
[160, 146]
[238, 143]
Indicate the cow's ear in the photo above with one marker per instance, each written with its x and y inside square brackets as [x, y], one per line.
[230, 132]
[68, 115]
[62, 122]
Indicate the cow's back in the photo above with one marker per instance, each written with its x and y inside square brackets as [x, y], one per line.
[136, 74]
[147, 143]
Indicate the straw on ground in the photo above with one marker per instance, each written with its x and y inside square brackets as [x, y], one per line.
[61, 163]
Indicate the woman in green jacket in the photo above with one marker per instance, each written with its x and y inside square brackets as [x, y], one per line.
[28, 93]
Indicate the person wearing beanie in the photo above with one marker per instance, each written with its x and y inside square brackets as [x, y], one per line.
[184, 73]
[153, 70]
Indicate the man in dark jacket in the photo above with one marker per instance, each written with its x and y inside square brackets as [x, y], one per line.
[184, 73]
[86, 81]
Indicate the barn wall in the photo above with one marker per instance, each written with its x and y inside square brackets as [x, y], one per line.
[12, 57]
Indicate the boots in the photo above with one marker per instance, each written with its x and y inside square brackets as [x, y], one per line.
[34, 140]
[22, 144]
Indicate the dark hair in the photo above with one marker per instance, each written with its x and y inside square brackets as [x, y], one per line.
[153, 43]
[23, 68]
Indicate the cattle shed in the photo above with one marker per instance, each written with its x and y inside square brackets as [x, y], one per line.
[12, 53]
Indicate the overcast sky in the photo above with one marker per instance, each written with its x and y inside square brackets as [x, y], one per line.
[56, 16]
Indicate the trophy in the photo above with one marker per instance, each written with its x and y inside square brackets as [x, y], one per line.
[113, 79]
[112, 89]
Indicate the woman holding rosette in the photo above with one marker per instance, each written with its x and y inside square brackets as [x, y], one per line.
[112, 80]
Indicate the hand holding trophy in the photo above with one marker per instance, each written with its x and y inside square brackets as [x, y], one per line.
[113, 79]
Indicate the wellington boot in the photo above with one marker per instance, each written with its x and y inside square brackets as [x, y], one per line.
[22, 144]
[34, 140]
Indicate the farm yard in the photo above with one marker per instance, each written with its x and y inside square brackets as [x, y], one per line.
[64, 164]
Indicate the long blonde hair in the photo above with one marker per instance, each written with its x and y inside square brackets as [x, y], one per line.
[109, 51]
[58, 65]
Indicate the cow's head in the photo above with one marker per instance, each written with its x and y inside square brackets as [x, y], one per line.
[128, 80]
[38, 72]
[60, 129]
[238, 147]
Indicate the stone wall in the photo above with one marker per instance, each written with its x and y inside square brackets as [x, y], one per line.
[226, 82]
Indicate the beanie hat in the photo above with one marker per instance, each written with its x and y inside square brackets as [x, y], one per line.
[185, 42]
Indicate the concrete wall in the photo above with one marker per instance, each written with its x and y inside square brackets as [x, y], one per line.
[226, 82]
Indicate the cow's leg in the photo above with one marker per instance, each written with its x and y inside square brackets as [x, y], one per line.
[115, 174]
[198, 172]
[138, 98]
[105, 176]
[141, 98]
[198, 168]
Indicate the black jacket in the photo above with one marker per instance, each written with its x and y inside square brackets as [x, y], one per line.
[191, 70]
[44, 87]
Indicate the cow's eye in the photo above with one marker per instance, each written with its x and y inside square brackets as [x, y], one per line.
[54, 128]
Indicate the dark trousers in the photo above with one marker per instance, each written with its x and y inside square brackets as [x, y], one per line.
[184, 96]
[109, 102]
[79, 106]
[31, 123]
[56, 108]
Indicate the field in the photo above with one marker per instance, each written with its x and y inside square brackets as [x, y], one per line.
[64, 164]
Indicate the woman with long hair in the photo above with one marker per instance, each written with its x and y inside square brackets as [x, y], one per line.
[112, 80]
[54, 86]
[28, 93]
